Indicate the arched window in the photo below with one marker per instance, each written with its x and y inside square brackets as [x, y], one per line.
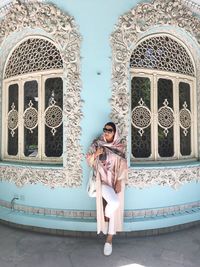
[162, 100]
[33, 102]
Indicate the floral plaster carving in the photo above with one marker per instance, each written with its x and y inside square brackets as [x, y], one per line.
[131, 26]
[169, 176]
[52, 177]
[193, 5]
[63, 31]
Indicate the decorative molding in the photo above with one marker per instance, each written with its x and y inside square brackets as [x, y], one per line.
[6, 4]
[5, 7]
[131, 27]
[49, 176]
[167, 176]
[64, 32]
[192, 5]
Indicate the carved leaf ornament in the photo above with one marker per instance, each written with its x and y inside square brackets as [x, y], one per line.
[127, 33]
[63, 31]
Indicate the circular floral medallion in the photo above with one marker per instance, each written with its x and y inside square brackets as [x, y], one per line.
[165, 117]
[141, 117]
[12, 119]
[53, 116]
[185, 118]
[30, 118]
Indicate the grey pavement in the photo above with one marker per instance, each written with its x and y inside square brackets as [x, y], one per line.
[20, 248]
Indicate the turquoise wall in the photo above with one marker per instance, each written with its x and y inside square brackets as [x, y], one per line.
[59, 198]
[96, 20]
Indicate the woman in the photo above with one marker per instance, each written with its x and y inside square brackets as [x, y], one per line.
[106, 156]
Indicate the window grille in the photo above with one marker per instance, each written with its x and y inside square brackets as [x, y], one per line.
[34, 103]
[33, 55]
[162, 102]
[162, 53]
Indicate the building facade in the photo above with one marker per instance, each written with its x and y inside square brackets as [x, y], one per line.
[69, 67]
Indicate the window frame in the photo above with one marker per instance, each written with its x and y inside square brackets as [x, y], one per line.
[40, 77]
[176, 78]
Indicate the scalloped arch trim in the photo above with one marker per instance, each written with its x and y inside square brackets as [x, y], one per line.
[63, 30]
[127, 33]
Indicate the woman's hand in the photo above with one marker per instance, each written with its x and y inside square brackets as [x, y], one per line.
[118, 186]
[98, 152]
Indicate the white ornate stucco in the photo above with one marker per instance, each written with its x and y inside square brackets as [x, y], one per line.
[168, 176]
[132, 27]
[61, 28]
[4, 5]
[193, 5]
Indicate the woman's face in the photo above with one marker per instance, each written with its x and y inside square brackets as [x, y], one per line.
[108, 133]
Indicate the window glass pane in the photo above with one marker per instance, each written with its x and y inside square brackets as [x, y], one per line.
[13, 119]
[165, 143]
[184, 95]
[185, 143]
[31, 119]
[141, 145]
[185, 119]
[53, 117]
[140, 127]
[165, 118]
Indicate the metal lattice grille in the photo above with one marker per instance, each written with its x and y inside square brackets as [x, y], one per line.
[162, 53]
[162, 127]
[34, 124]
[33, 55]
[166, 117]
[53, 117]
[141, 117]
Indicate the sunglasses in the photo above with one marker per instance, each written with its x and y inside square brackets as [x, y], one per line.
[107, 130]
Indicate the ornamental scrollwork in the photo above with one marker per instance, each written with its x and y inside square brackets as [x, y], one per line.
[63, 31]
[51, 177]
[185, 118]
[12, 119]
[30, 117]
[141, 117]
[165, 117]
[130, 28]
[53, 115]
[173, 177]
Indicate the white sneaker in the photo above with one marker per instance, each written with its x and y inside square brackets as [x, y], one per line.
[107, 249]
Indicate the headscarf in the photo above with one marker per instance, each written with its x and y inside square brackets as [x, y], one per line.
[105, 163]
[116, 146]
